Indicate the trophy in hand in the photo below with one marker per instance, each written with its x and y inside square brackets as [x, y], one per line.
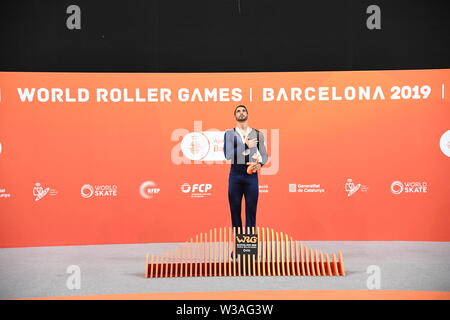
[251, 165]
[251, 143]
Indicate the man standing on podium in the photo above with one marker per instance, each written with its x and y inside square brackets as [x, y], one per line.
[246, 149]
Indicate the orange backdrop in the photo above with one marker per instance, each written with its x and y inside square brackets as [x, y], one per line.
[65, 145]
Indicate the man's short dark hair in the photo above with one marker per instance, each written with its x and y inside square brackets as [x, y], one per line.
[240, 106]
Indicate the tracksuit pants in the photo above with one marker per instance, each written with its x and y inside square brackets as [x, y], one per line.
[240, 183]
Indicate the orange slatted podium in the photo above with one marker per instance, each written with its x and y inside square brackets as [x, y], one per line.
[212, 255]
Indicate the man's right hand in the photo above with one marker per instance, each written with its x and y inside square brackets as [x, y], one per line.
[251, 143]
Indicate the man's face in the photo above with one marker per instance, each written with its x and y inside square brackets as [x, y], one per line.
[241, 114]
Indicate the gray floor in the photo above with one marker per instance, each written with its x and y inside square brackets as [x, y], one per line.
[109, 269]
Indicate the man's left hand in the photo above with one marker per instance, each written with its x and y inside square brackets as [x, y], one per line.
[254, 165]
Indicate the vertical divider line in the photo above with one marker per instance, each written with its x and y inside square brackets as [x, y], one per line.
[297, 259]
[249, 265]
[205, 260]
[210, 252]
[278, 254]
[258, 254]
[220, 252]
[288, 256]
[182, 260]
[322, 265]
[282, 253]
[269, 253]
[195, 255]
[263, 253]
[166, 267]
[253, 256]
[341, 264]
[273, 253]
[201, 256]
[171, 263]
[151, 267]
[230, 243]
[176, 262]
[215, 252]
[316, 263]
[335, 269]
[294, 258]
[305, 249]
[224, 252]
[329, 272]
[311, 255]
[239, 256]
[302, 260]
[156, 267]
[244, 263]
[234, 251]
[191, 247]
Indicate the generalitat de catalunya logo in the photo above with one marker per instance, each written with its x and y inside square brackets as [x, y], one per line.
[306, 188]
[149, 190]
[197, 190]
[40, 192]
[398, 187]
[104, 190]
[352, 188]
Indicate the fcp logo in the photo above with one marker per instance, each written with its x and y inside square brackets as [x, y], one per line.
[196, 187]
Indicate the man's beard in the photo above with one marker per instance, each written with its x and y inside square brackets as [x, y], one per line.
[241, 119]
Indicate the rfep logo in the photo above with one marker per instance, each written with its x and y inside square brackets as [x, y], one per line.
[197, 190]
[148, 190]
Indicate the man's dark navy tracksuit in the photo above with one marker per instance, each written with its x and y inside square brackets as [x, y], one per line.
[240, 183]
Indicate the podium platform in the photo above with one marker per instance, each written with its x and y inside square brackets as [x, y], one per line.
[221, 252]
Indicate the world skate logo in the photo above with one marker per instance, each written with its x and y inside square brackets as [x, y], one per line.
[398, 187]
[352, 188]
[88, 191]
[40, 192]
